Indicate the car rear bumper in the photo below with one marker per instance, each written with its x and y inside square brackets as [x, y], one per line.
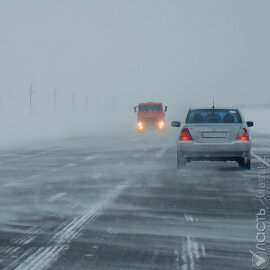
[213, 151]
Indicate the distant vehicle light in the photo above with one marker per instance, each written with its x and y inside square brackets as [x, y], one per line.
[185, 135]
[243, 135]
[140, 126]
[161, 124]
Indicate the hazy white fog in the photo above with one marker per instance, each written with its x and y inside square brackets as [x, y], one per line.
[117, 53]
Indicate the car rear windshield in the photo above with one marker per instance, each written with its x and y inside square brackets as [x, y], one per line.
[150, 108]
[213, 116]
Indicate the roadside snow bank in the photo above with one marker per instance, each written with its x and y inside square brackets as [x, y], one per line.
[35, 129]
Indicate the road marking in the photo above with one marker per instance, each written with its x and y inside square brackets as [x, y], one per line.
[44, 257]
[260, 159]
[56, 197]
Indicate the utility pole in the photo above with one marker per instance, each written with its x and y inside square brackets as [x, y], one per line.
[114, 102]
[73, 100]
[86, 103]
[55, 97]
[98, 103]
[30, 97]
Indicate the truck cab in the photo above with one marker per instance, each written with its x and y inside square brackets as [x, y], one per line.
[150, 115]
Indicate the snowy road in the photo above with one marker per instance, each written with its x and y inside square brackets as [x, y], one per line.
[119, 203]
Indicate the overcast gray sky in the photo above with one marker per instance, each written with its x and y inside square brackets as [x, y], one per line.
[168, 50]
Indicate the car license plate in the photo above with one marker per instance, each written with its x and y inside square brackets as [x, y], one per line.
[214, 135]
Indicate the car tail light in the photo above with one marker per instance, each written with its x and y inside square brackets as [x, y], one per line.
[185, 135]
[242, 135]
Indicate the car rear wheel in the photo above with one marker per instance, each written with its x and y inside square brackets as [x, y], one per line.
[244, 163]
[248, 164]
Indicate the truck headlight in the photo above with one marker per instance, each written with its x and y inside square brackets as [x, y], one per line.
[161, 124]
[140, 125]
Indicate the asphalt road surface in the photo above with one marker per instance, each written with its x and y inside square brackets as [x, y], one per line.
[120, 203]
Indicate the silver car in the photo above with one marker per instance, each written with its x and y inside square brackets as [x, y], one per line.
[215, 134]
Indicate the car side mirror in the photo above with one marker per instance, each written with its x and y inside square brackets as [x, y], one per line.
[175, 124]
[135, 109]
[250, 123]
[165, 109]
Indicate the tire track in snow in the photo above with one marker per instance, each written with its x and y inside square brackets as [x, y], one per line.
[28, 237]
[25, 156]
[192, 252]
[44, 257]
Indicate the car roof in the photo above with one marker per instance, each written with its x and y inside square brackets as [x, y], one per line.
[216, 108]
[150, 103]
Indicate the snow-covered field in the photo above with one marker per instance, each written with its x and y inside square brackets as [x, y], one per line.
[20, 129]
[260, 117]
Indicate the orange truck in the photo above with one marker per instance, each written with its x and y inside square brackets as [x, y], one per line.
[150, 115]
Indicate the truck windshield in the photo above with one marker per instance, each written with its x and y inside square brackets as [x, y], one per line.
[213, 116]
[150, 108]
